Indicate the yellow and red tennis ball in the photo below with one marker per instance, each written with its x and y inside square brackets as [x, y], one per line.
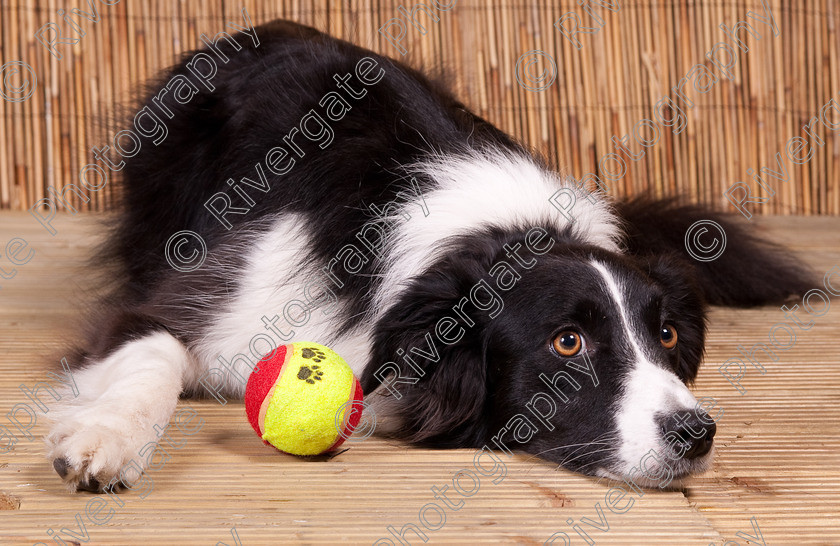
[303, 399]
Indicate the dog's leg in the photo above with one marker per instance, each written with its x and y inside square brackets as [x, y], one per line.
[121, 398]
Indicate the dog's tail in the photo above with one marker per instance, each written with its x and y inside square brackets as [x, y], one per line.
[733, 263]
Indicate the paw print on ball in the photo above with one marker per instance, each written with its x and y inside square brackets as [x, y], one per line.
[313, 353]
[310, 374]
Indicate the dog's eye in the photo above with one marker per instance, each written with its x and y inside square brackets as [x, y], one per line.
[668, 336]
[568, 343]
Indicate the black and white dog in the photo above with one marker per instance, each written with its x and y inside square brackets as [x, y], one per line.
[349, 200]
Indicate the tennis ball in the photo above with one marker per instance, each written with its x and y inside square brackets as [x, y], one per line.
[303, 399]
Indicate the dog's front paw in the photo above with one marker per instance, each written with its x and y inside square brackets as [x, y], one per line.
[88, 449]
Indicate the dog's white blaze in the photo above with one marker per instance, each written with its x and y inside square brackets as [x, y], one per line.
[649, 389]
[482, 189]
[615, 294]
[274, 275]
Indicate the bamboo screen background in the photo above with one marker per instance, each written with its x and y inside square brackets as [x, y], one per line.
[641, 51]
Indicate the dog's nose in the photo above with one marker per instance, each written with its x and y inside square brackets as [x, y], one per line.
[695, 429]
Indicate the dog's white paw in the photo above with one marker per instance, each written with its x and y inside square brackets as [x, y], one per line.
[122, 403]
[89, 446]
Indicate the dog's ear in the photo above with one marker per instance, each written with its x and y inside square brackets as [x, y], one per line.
[750, 271]
[436, 391]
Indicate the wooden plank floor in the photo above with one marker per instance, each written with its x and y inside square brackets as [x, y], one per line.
[778, 457]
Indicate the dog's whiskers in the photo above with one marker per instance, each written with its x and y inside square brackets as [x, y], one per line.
[584, 454]
[594, 442]
[602, 442]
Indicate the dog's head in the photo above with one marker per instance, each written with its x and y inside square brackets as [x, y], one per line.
[570, 352]
[611, 342]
